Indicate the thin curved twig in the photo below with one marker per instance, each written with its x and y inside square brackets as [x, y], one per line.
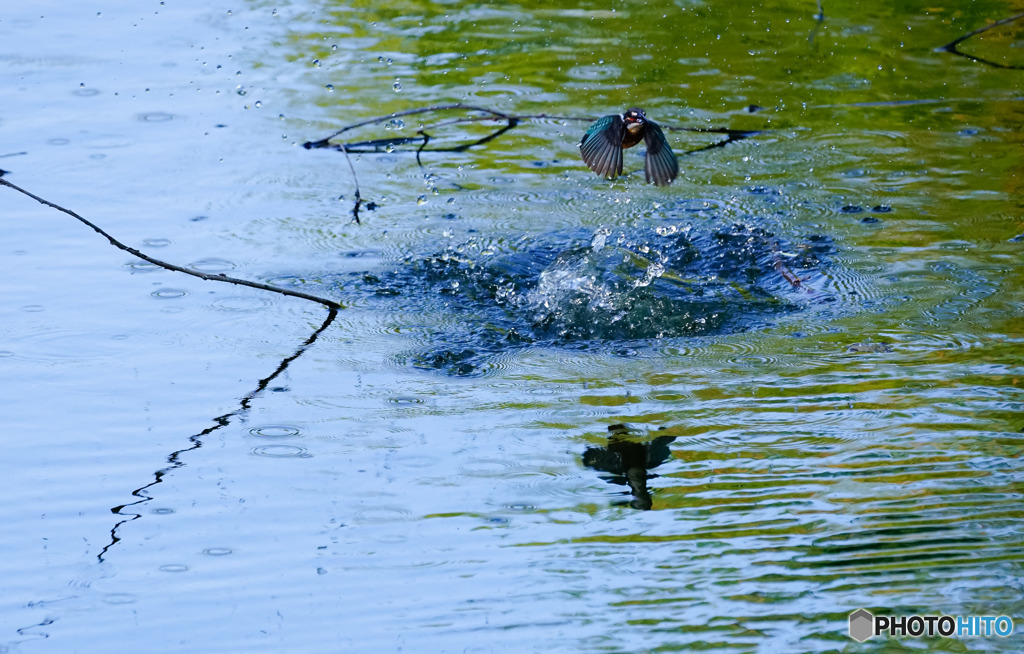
[512, 120]
[213, 277]
[951, 47]
[398, 114]
[195, 441]
[355, 180]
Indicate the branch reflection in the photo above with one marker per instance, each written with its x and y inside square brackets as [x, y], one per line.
[175, 459]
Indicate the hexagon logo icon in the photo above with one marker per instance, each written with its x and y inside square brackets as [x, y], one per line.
[862, 625]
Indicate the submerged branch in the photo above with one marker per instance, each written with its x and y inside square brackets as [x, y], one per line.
[196, 441]
[10, 154]
[174, 459]
[511, 120]
[819, 19]
[423, 137]
[399, 114]
[951, 47]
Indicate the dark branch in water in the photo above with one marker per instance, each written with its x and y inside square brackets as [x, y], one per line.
[174, 459]
[511, 121]
[408, 112]
[381, 145]
[733, 135]
[355, 180]
[951, 47]
[213, 277]
[196, 441]
[819, 18]
[10, 154]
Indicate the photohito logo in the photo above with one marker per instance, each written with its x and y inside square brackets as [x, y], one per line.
[864, 625]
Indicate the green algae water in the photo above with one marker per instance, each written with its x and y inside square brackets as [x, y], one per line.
[558, 413]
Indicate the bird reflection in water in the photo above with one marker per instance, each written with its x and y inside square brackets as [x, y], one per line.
[627, 459]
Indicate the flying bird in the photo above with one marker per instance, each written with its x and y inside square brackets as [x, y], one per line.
[605, 140]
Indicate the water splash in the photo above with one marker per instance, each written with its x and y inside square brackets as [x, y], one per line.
[585, 289]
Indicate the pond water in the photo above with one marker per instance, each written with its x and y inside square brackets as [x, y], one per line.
[557, 412]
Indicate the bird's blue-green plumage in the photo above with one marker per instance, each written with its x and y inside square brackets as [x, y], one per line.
[660, 163]
[602, 145]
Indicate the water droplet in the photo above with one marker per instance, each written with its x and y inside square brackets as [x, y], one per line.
[397, 86]
[240, 90]
[155, 117]
[330, 88]
[213, 265]
[258, 104]
[316, 62]
[169, 293]
[275, 431]
[421, 200]
[405, 399]
[281, 451]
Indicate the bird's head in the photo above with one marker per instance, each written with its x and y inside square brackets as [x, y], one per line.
[634, 119]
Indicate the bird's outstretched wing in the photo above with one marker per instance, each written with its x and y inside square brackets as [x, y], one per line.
[601, 146]
[660, 164]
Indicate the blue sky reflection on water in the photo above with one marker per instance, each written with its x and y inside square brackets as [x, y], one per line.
[857, 445]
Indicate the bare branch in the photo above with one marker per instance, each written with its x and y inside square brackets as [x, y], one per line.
[511, 120]
[951, 47]
[213, 277]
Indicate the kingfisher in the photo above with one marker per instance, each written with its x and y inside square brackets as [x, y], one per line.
[606, 138]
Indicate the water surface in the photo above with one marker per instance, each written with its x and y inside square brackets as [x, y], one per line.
[558, 413]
